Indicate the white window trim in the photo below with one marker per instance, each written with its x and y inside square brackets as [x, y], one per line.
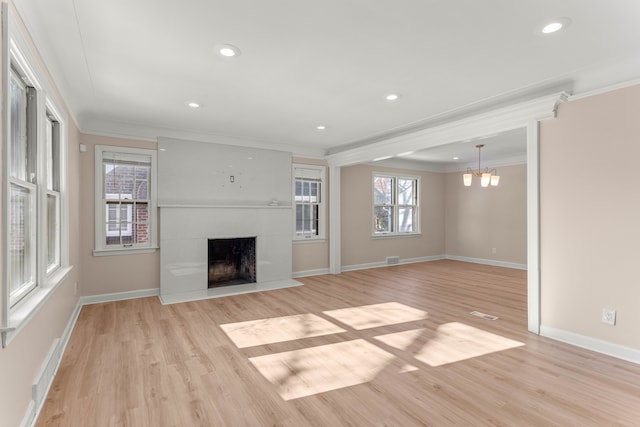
[16, 49]
[418, 229]
[322, 208]
[100, 212]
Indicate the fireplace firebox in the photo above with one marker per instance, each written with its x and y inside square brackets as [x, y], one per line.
[231, 261]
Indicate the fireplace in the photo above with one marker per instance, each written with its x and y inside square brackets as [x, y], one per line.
[231, 261]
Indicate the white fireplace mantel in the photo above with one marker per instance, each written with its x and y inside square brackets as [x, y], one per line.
[212, 191]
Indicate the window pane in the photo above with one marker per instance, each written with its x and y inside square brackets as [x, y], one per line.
[315, 192]
[18, 128]
[142, 173]
[141, 190]
[406, 219]
[298, 190]
[53, 253]
[406, 191]
[299, 220]
[141, 221]
[124, 176]
[383, 219]
[382, 190]
[111, 186]
[315, 220]
[53, 154]
[20, 268]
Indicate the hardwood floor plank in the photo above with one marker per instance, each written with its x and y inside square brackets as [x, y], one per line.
[394, 346]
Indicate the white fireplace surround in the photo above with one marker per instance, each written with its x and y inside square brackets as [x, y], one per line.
[213, 191]
[184, 236]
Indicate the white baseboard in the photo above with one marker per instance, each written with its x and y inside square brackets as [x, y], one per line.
[119, 296]
[384, 264]
[593, 344]
[30, 416]
[487, 262]
[307, 273]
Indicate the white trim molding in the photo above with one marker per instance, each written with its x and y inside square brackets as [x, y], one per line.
[492, 262]
[593, 344]
[385, 264]
[309, 273]
[496, 121]
[119, 296]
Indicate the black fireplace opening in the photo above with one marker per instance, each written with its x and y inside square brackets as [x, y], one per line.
[231, 261]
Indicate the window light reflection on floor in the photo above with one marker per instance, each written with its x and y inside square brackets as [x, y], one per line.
[323, 368]
[375, 315]
[320, 369]
[452, 342]
[278, 329]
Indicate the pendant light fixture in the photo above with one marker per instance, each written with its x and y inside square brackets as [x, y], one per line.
[486, 177]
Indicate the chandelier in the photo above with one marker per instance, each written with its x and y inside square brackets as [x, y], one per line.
[486, 177]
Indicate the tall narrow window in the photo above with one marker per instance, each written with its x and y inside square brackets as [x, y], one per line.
[308, 196]
[53, 191]
[22, 189]
[395, 205]
[35, 254]
[125, 210]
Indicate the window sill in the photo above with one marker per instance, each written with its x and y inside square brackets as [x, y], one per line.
[20, 315]
[394, 235]
[124, 251]
[316, 240]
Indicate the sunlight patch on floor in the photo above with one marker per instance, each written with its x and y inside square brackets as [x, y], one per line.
[452, 342]
[375, 315]
[324, 368]
[278, 329]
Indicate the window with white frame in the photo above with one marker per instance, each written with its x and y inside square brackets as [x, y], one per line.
[125, 199]
[22, 203]
[53, 195]
[308, 199]
[395, 204]
[35, 256]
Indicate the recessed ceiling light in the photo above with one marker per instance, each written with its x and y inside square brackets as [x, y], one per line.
[321, 127]
[392, 97]
[456, 158]
[228, 50]
[555, 25]
[193, 104]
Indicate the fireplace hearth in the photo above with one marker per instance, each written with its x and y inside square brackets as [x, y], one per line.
[231, 261]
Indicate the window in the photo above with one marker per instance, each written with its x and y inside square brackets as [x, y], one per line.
[35, 256]
[308, 197]
[395, 205]
[125, 200]
[53, 191]
[22, 237]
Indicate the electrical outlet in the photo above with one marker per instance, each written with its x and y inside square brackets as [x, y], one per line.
[75, 288]
[494, 250]
[608, 316]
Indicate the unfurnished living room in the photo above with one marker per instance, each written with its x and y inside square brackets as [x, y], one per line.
[296, 213]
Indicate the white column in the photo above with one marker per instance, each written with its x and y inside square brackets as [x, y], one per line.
[533, 227]
[335, 261]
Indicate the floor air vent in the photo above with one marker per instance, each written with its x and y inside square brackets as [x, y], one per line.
[484, 316]
[391, 260]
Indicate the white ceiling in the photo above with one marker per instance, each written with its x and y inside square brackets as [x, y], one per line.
[129, 66]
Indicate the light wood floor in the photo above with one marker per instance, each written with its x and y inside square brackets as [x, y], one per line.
[391, 346]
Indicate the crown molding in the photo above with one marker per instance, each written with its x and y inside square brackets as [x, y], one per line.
[134, 131]
[495, 121]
